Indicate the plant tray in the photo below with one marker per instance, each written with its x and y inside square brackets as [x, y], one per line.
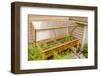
[60, 47]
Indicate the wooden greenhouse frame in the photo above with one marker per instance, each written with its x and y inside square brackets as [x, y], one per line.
[50, 51]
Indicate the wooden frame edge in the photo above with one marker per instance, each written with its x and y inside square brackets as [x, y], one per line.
[15, 37]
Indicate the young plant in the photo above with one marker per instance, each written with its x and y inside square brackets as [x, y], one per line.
[56, 55]
[34, 52]
[85, 50]
[68, 38]
[45, 45]
[62, 55]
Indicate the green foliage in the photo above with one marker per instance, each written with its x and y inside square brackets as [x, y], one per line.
[56, 56]
[68, 38]
[85, 50]
[38, 46]
[35, 49]
[34, 52]
[46, 45]
[63, 55]
[62, 40]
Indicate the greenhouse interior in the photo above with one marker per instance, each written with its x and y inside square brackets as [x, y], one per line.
[57, 37]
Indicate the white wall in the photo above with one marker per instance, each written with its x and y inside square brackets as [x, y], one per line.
[5, 41]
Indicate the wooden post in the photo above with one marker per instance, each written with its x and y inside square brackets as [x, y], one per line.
[35, 35]
[78, 46]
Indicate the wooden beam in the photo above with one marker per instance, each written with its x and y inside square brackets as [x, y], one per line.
[80, 22]
[51, 28]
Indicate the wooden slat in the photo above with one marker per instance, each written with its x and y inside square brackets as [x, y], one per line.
[66, 43]
[51, 28]
[80, 22]
[49, 52]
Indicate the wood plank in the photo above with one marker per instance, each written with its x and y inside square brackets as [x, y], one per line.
[80, 22]
[73, 42]
[49, 52]
[51, 28]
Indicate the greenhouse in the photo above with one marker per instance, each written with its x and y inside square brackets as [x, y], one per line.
[57, 37]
